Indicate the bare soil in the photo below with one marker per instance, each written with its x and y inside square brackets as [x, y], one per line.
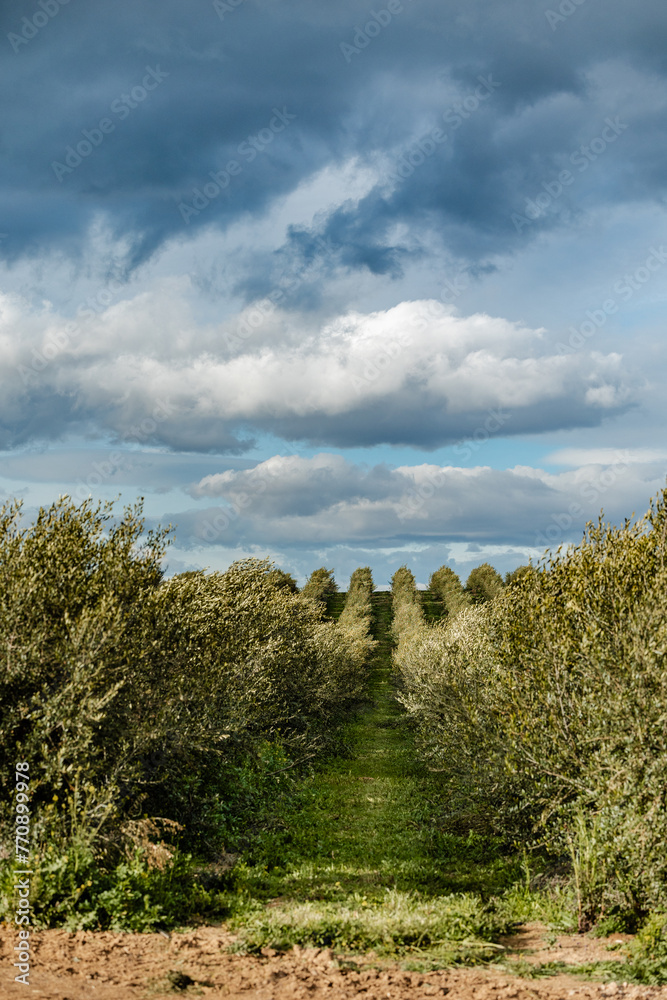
[114, 966]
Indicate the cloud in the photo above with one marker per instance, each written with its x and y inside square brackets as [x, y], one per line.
[579, 457]
[145, 372]
[326, 500]
[222, 79]
[82, 470]
[294, 486]
[291, 298]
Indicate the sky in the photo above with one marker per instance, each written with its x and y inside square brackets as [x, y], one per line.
[336, 284]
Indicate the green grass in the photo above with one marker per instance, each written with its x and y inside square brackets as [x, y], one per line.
[400, 923]
[358, 856]
[335, 605]
[597, 971]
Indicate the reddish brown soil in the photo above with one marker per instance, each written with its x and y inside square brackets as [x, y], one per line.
[109, 966]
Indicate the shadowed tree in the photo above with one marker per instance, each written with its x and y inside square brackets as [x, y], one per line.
[517, 574]
[320, 585]
[282, 580]
[446, 585]
[483, 584]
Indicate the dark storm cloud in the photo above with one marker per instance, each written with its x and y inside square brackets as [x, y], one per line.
[412, 421]
[221, 81]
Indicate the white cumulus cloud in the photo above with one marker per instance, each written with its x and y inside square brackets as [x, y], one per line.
[416, 373]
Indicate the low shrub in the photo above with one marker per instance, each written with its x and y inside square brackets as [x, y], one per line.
[72, 890]
[354, 624]
[279, 578]
[483, 584]
[140, 699]
[320, 585]
[406, 607]
[447, 586]
[544, 711]
[647, 959]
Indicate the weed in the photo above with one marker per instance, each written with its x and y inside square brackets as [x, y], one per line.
[647, 956]
[399, 923]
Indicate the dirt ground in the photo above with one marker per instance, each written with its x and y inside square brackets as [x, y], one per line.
[111, 966]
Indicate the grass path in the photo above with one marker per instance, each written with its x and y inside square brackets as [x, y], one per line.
[358, 825]
[371, 805]
[359, 857]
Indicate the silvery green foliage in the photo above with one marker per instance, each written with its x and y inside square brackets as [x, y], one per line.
[446, 670]
[545, 708]
[320, 584]
[407, 612]
[447, 586]
[127, 687]
[483, 584]
[354, 624]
